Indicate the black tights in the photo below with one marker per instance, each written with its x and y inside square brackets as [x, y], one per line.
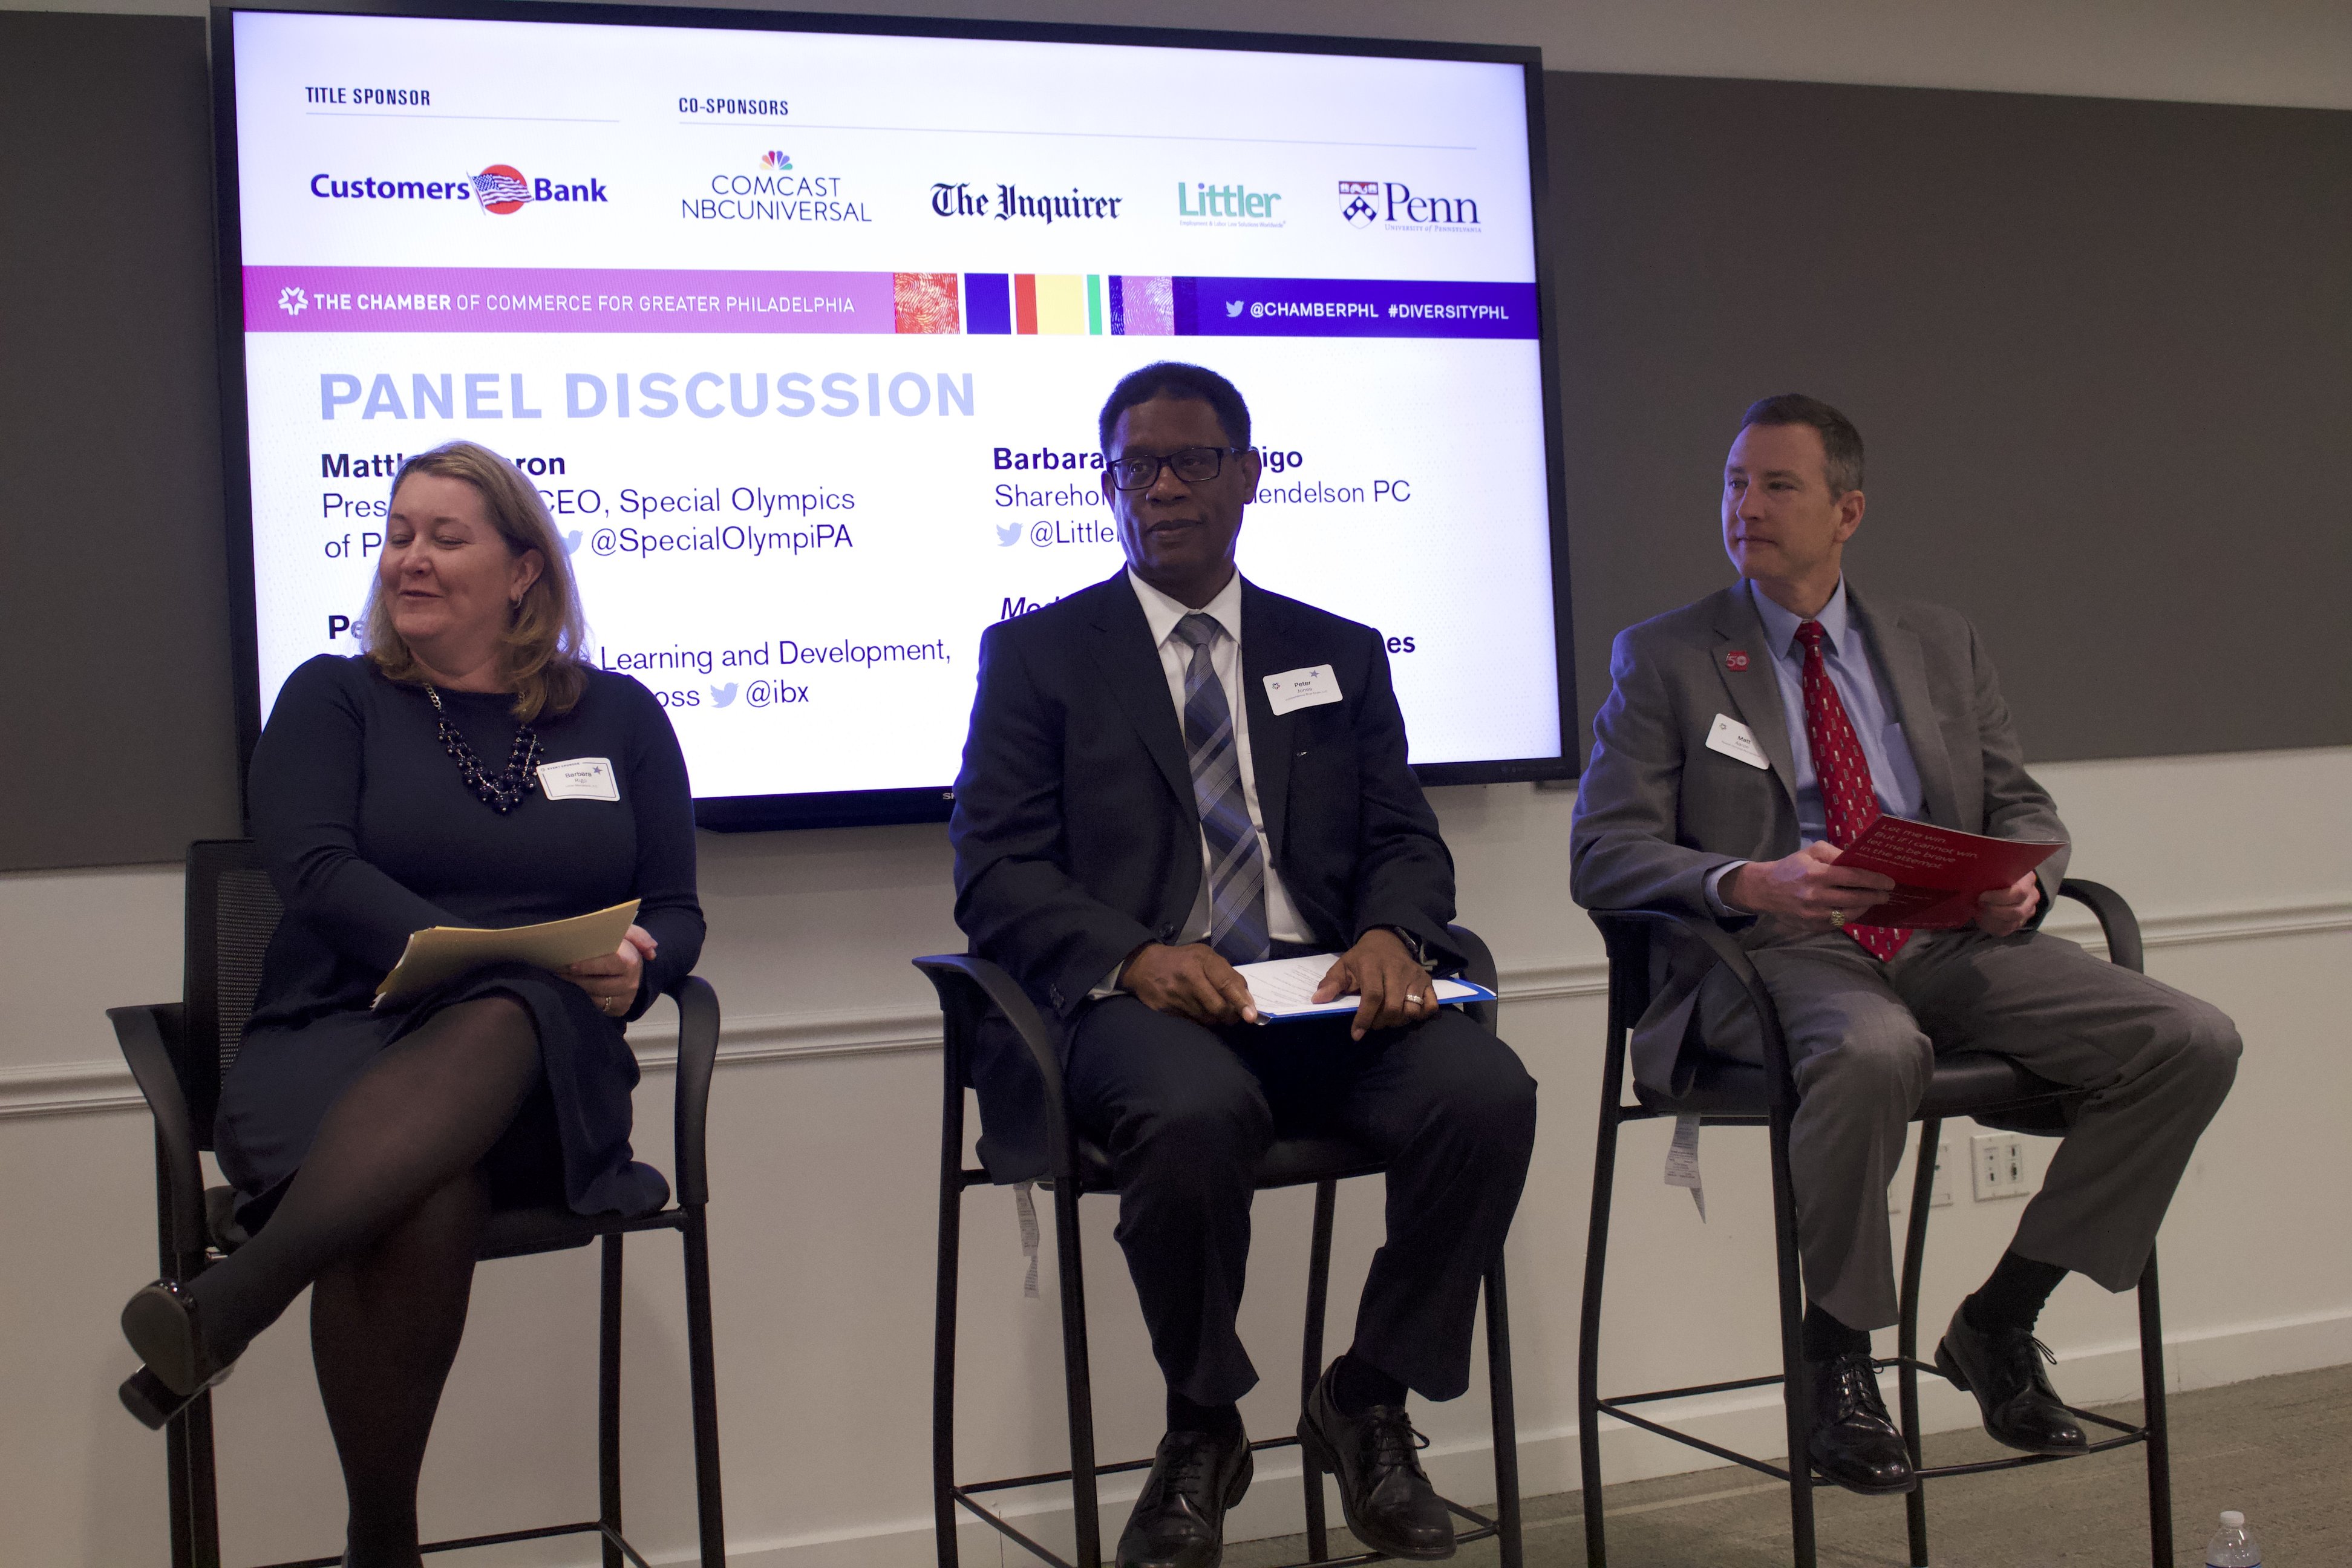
[384, 1219]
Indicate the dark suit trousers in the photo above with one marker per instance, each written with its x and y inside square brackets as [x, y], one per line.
[1185, 1112]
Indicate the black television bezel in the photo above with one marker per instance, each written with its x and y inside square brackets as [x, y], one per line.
[847, 808]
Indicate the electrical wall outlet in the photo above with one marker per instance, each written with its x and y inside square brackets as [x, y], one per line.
[1997, 1161]
[1940, 1195]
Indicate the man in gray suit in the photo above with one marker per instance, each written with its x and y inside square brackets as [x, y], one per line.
[1748, 737]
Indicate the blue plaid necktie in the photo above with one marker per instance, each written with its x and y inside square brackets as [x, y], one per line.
[1236, 866]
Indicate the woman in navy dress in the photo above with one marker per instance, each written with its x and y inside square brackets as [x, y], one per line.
[396, 789]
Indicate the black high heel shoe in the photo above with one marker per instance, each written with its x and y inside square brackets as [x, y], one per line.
[159, 1322]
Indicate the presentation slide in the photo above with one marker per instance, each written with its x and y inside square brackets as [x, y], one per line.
[802, 336]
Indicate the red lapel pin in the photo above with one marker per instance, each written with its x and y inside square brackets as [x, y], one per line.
[1735, 659]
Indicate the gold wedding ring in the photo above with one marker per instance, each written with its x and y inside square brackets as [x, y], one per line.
[1837, 919]
[1412, 997]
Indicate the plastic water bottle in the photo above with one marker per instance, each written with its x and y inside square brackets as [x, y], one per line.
[2233, 1545]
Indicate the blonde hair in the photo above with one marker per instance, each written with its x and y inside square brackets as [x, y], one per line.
[541, 654]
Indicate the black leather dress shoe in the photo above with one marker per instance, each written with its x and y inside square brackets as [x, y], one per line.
[159, 1322]
[1180, 1519]
[1388, 1500]
[1853, 1441]
[2003, 1370]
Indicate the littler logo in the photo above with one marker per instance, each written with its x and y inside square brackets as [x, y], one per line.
[1357, 199]
[292, 301]
[502, 189]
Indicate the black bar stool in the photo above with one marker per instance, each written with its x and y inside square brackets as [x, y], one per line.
[1992, 1090]
[968, 988]
[180, 1051]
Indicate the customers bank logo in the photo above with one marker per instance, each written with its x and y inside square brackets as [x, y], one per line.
[1392, 205]
[500, 188]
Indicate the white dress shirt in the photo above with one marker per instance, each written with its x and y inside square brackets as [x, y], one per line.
[1162, 613]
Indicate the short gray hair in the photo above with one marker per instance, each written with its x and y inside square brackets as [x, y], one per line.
[1841, 442]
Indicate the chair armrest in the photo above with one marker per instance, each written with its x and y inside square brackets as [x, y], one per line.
[1627, 933]
[697, 1056]
[147, 1035]
[1478, 968]
[2115, 919]
[967, 984]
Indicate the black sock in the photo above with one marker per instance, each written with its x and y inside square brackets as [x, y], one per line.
[1219, 1421]
[1826, 1339]
[1356, 1385]
[2012, 1297]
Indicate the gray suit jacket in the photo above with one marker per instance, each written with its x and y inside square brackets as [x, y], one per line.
[1656, 811]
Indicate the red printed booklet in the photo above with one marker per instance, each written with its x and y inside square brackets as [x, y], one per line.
[1937, 872]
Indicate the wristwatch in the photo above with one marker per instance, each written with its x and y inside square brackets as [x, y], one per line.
[1413, 944]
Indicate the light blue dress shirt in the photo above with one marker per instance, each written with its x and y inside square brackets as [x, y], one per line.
[1894, 776]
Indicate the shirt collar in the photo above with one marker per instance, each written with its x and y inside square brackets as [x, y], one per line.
[1161, 612]
[1780, 625]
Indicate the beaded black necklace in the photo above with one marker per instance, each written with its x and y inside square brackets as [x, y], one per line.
[500, 792]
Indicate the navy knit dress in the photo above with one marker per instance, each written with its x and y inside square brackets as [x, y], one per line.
[369, 834]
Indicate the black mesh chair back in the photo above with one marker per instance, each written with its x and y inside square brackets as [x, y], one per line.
[232, 912]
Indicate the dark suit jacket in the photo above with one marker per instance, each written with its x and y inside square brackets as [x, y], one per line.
[1656, 811]
[1076, 839]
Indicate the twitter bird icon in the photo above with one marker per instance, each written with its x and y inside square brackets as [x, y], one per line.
[1234, 307]
[720, 696]
[571, 543]
[1009, 534]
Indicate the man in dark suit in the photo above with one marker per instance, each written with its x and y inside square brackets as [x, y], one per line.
[1140, 810]
[1747, 738]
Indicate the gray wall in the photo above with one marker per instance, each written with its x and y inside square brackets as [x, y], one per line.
[2100, 353]
[2101, 350]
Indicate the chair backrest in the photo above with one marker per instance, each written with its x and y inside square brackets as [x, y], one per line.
[232, 912]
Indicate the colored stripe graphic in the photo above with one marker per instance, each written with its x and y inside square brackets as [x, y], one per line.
[987, 303]
[1062, 306]
[1143, 307]
[925, 302]
[587, 301]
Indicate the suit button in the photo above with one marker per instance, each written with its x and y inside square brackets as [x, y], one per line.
[1168, 933]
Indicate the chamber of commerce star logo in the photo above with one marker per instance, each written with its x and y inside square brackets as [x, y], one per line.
[292, 301]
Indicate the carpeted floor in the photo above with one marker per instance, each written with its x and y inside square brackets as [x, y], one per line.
[2278, 1448]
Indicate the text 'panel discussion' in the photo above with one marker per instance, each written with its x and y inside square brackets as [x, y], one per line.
[1041, 784]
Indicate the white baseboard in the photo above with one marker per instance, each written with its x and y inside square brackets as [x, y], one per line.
[1750, 1421]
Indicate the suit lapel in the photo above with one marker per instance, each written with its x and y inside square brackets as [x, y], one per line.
[1130, 667]
[1267, 649]
[1754, 689]
[1897, 647]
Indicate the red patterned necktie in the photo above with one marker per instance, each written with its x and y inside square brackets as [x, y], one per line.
[1848, 801]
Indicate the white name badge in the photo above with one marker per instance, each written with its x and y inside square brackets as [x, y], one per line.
[579, 778]
[1734, 739]
[1310, 687]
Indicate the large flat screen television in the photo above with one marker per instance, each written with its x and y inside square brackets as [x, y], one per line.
[801, 325]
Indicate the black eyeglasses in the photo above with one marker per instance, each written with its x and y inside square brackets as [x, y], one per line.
[1193, 465]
